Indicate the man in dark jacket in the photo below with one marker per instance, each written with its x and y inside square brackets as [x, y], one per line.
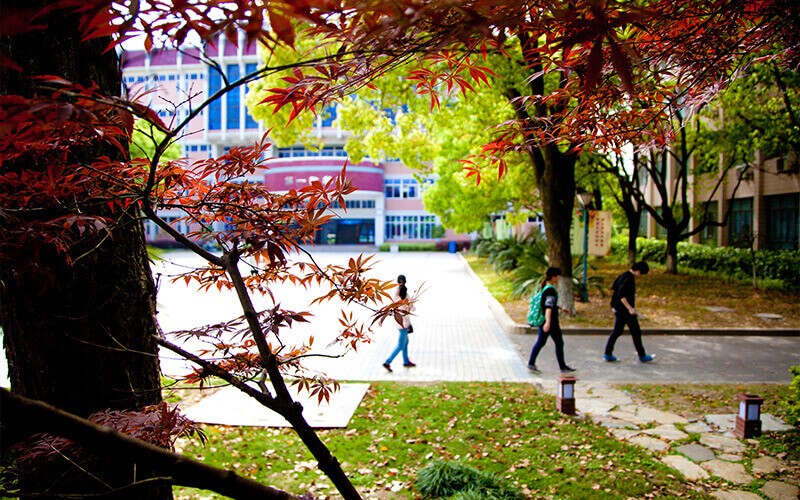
[623, 301]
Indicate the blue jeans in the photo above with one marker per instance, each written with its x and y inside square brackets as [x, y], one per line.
[558, 340]
[402, 346]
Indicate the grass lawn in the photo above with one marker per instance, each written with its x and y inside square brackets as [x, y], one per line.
[508, 429]
[664, 300]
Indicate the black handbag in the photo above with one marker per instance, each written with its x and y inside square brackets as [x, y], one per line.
[410, 328]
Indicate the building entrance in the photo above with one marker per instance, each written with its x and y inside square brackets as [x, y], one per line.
[346, 232]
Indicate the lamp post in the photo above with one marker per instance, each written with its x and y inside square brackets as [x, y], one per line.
[585, 198]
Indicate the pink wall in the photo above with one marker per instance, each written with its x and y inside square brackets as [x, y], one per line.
[304, 168]
[404, 204]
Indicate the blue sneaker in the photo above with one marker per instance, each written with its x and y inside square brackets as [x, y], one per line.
[610, 358]
[534, 369]
[647, 358]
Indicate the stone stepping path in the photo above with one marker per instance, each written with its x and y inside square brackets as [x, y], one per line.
[717, 454]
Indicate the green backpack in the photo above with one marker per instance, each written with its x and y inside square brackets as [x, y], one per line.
[536, 311]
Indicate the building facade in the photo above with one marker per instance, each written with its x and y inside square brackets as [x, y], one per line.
[763, 199]
[387, 206]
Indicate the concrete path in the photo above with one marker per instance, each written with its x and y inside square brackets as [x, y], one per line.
[457, 336]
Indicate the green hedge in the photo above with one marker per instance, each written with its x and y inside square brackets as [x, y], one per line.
[781, 265]
[410, 247]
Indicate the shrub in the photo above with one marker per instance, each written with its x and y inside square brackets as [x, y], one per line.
[444, 479]
[780, 265]
[410, 247]
[792, 405]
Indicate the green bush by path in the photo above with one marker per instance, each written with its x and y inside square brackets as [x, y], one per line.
[409, 247]
[448, 478]
[780, 265]
[792, 402]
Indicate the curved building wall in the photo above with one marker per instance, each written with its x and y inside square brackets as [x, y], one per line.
[285, 174]
[387, 206]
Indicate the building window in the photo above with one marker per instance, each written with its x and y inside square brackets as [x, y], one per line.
[410, 227]
[783, 219]
[328, 116]
[151, 230]
[741, 223]
[188, 149]
[644, 224]
[215, 107]
[708, 236]
[233, 99]
[301, 152]
[401, 188]
[354, 204]
[249, 122]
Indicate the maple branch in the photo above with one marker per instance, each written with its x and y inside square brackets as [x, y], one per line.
[23, 414]
[263, 398]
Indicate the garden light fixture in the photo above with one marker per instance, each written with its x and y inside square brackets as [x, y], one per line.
[565, 398]
[748, 421]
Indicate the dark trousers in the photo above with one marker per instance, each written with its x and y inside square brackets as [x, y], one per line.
[622, 318]
[558, 340]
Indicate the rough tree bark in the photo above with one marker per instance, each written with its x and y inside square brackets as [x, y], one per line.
[80, 337]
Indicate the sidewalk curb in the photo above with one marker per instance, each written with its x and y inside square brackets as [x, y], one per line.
[510, 326]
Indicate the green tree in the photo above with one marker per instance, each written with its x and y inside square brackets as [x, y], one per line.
[145, 140]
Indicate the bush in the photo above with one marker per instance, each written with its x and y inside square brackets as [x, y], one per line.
[410, 247]
[780, 265]
[793, 404]
[443, 479]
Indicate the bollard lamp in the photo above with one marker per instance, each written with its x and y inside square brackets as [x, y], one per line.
[748, 420]
[565, 398]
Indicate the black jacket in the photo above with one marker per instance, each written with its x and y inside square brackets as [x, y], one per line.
[623, 286]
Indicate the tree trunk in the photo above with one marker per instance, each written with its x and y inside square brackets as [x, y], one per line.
[633, 233]
[556, 183]
[81, 336]
[672, 254]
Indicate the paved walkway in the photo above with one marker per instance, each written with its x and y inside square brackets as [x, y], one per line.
[458, 337]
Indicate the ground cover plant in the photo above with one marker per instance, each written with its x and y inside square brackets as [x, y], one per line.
[509, 430]
[664, 300]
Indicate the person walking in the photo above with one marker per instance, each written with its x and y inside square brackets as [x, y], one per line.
[551, 326]
[623, 301]
[405, 327]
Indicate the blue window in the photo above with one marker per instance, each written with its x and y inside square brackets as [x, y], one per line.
[392, 187]
[708, 236]
[249, 122]
[329, 114]
[401, 188]
[410, 227]
[233, 99]
[741, 222]
[215, 108]
[783, 219]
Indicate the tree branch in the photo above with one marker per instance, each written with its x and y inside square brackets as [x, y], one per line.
[26, 414]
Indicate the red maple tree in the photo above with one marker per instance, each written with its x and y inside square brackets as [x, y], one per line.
[601, 73]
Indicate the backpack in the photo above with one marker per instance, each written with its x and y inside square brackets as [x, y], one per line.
[536, 311]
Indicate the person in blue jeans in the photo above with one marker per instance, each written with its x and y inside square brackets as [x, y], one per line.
[623, 301]
[405, 328]
[551, 327]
